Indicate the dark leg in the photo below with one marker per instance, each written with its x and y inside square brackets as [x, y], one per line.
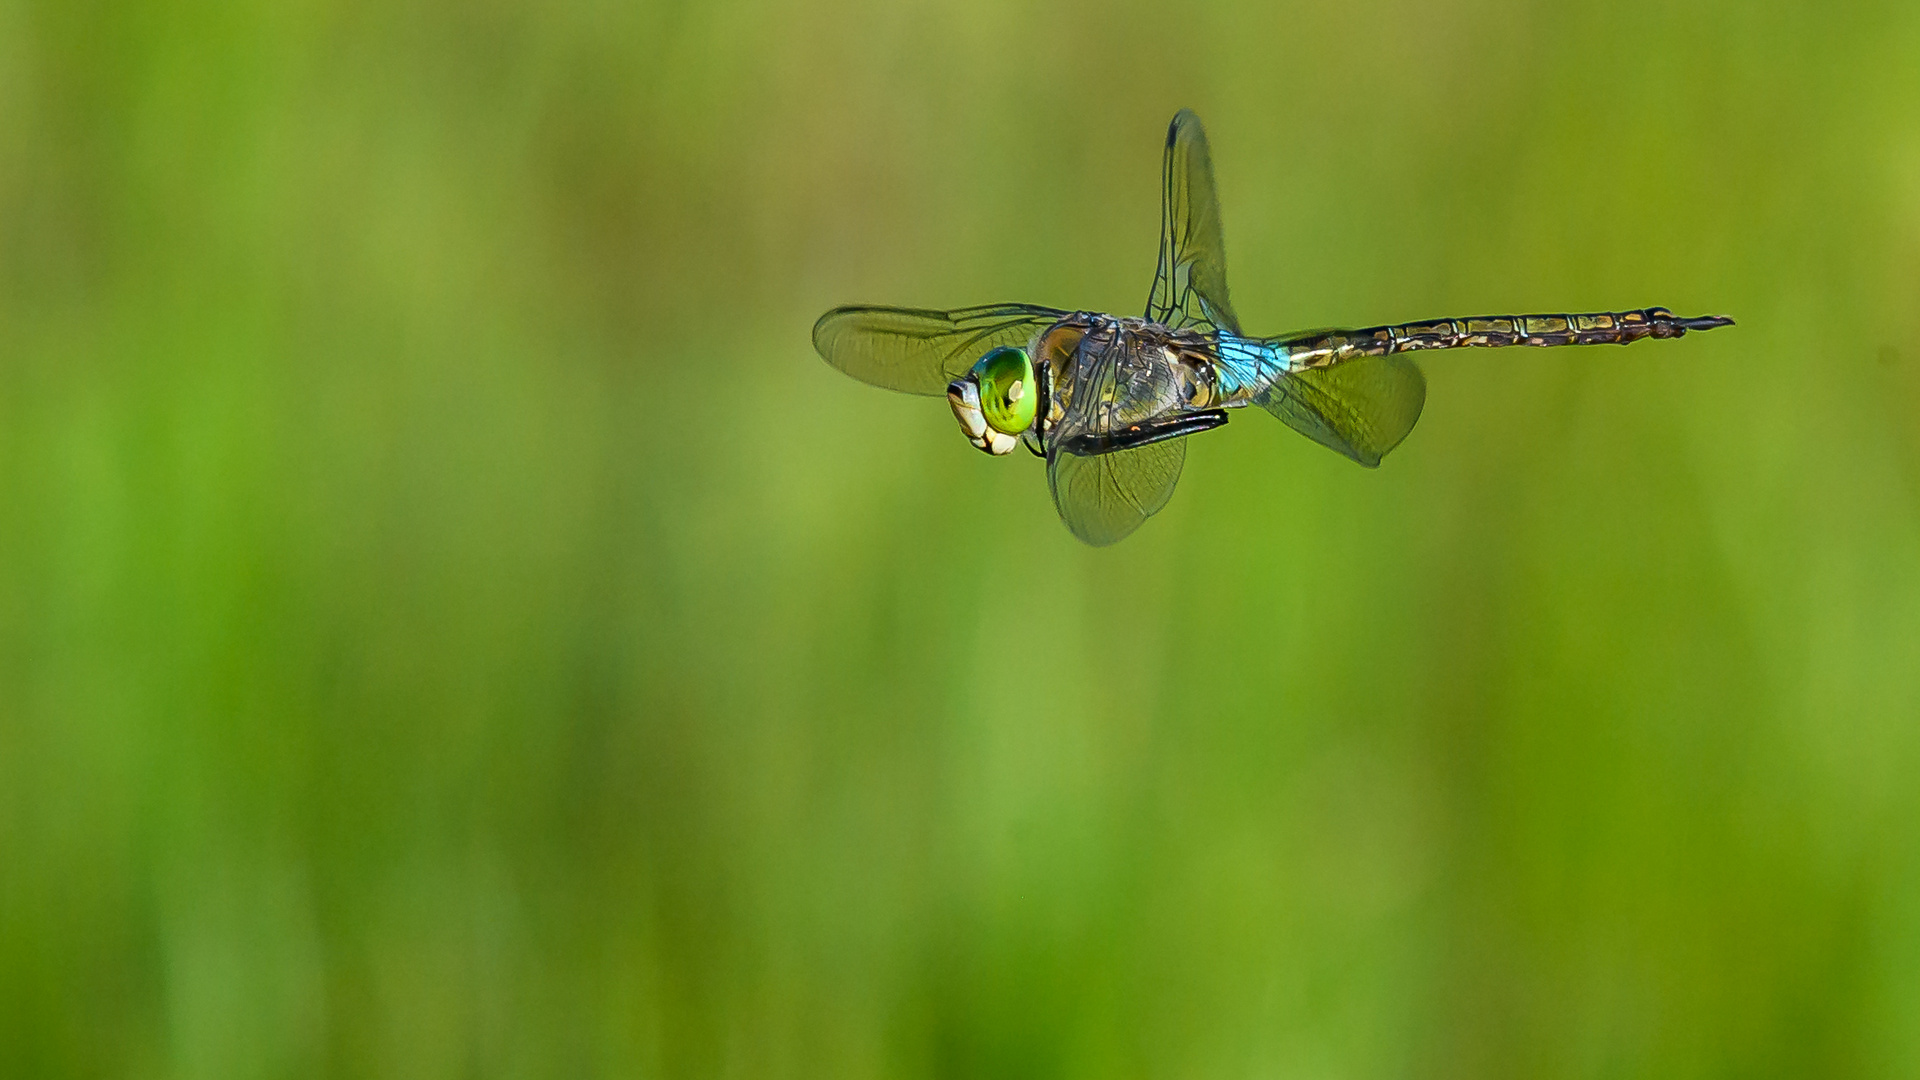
[1144, 434]
[1043, 378]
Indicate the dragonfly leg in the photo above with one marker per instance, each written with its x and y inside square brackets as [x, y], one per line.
[1089, 444]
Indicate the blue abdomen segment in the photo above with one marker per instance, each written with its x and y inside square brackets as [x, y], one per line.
[1245, 367]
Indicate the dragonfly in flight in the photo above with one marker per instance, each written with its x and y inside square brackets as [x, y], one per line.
[1108, 400]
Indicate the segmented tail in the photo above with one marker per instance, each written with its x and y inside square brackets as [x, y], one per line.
[1325, 348]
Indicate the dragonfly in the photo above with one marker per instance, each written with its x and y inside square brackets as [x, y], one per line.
[1108, 401]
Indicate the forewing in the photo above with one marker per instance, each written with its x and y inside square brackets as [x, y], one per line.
[1362, 408]
[919, 351]
[1109, 387]
[1103, 498]
[1190, 286]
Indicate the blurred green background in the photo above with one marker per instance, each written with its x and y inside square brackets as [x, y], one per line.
[451, 623]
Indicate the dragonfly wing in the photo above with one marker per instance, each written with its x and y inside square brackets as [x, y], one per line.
[919, 351]
[1361, 408]
[1190, 286]
[1105, 497]
[1109, 388]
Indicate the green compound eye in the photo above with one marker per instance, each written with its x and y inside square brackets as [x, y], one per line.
[1007, 391]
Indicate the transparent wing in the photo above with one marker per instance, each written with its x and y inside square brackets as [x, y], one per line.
[1108, 388]
[1105, 497]
[1108, 385]
[1362, 408]
[919, 351]
[1190, 286]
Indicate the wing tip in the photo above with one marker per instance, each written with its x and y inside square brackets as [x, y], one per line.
[821, 332]
[1181, 119]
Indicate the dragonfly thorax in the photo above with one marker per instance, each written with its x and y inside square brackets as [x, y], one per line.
[1133, 368]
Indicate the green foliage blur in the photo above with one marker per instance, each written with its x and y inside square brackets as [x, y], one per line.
[451, 623]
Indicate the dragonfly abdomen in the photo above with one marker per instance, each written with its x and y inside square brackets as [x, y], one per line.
[1329, 347]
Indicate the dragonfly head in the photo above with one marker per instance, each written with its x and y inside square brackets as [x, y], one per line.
[995, 401]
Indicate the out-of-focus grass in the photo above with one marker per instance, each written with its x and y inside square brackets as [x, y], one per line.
[450, 623]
